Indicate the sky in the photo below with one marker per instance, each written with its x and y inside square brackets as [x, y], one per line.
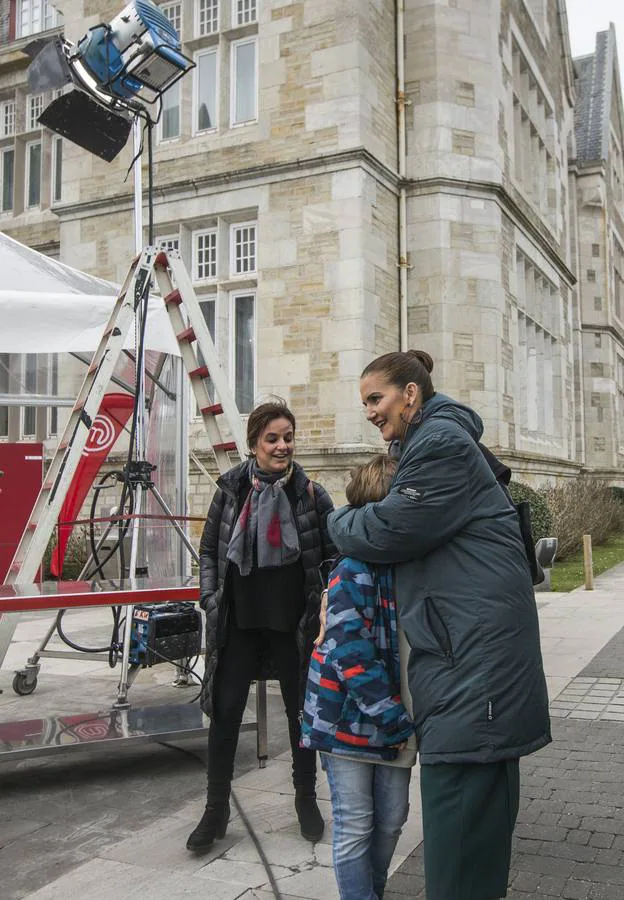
[587, 17]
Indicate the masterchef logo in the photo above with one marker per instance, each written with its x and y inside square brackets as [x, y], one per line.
[102, 435]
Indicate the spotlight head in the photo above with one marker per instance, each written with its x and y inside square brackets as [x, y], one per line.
[116, 71]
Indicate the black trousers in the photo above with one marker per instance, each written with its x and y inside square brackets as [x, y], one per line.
[239, 662]
[469, 814]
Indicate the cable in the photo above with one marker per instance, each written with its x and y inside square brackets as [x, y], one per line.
[241, 812]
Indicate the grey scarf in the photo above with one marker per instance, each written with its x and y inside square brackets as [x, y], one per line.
[267, 521]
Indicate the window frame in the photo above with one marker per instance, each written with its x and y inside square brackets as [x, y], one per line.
[208, 51]
[9, 209]
[57, 142]
[172, 5]
[202, 299]
[46, 11]
[235, 21]
[251, 273]
[196, 30]
[25, 409]
[6, 105]
[31, 122]
[195, 277]
[233, 296]
[162, 138]
[233, 81]
[27, 149]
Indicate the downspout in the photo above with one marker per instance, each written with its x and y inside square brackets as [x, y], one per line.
[402, 171]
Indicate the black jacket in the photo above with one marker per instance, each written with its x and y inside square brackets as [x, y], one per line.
[316, 546]
[464, 593]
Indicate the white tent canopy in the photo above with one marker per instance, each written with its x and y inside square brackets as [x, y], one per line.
[48, 307]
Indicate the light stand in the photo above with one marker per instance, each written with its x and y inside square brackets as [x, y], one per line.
[138, 471]
[110, 82]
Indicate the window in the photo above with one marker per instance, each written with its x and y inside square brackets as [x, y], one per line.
[208, 308]
[244, 86]
[537, 363]
[168, 243]
[35, 108]
[173, 11]
[243, 249]
[7, 118]
[205, 255]
[8, 179]
[243, 356]
[534, 132]
[618, 278]
[35, 16]
[54, 383]
[33, 174]
[170, 114]
[29, 426]
[245, 11]
[57, 169]
[4, 389]
[207, 17]
[206, 91]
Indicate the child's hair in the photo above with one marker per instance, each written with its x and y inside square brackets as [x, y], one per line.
[371, 482]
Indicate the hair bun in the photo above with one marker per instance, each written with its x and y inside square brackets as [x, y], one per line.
[423, 357]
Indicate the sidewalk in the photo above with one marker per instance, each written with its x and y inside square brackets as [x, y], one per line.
[130, 816]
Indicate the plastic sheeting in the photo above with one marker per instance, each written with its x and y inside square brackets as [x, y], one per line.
[162, 540]
[48, 307]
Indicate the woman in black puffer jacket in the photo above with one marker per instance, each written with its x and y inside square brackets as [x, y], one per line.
[264, 539]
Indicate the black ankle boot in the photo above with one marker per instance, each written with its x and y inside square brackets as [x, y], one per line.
[309, 815]
[213, 824]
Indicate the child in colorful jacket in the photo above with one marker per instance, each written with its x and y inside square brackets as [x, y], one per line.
[354, 713]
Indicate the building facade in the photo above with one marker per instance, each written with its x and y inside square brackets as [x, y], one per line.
[343, 180]
[600, 192]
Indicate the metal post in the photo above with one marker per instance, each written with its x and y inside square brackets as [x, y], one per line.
[588, 562]
[124, 684]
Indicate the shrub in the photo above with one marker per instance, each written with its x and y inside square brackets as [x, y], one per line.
[618, 493]
[541, 519]
[584, 506]
[76, 554]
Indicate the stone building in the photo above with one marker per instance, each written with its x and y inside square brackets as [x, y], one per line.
[600, 190]
[344, 179]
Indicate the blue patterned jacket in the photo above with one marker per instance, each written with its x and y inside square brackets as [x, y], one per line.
[352, 703]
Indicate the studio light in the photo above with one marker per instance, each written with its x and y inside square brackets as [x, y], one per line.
[115, 72]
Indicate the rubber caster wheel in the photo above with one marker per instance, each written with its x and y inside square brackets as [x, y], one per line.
[22, 686]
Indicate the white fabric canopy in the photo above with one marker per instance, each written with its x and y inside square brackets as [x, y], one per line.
[48, 307]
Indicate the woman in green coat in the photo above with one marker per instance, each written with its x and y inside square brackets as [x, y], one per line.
[466, 603]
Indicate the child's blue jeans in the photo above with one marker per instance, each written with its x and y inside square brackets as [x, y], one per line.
[370, 803]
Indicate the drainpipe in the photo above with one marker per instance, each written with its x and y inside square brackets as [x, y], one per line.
[402, 170]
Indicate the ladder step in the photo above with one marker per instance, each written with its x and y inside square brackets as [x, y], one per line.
[31, 526]
[215, 410]
[202, 372]
[231, 445]
[174, 297]
[161, 261]
[186, 336]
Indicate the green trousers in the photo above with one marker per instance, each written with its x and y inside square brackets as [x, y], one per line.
[469, 813]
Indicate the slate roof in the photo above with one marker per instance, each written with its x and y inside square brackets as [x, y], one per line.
[594, 86]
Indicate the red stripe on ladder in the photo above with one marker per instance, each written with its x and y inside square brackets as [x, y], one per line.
[202, 372]
[186, 336]
[174, 297]
[215, 410]
[226, 447]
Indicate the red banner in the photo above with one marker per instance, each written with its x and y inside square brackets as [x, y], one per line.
[115, 411]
